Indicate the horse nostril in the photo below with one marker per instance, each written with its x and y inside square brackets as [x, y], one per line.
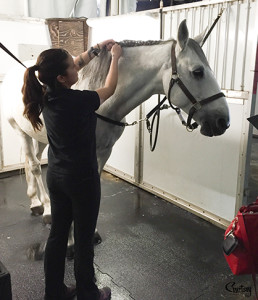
[222, 124]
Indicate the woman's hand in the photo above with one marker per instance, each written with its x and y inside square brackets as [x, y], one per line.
[116, 51]
[108, 44]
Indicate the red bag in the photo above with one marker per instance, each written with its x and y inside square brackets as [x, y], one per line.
[241, 241]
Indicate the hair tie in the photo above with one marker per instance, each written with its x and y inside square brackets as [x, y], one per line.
[35, 67]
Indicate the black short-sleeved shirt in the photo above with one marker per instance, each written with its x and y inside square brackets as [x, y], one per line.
[70, 121]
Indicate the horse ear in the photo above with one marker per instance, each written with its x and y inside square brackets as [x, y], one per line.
[199, 38]
[182, 35]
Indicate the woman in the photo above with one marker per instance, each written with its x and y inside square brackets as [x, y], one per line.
[72, 176]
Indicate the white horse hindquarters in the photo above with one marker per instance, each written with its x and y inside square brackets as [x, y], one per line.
[13, 112]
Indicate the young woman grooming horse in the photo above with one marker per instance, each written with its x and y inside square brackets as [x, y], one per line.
[72, 176]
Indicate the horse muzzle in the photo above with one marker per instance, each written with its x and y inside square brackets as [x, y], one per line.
[215, 127]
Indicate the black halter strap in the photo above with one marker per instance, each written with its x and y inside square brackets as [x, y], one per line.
[197, 105]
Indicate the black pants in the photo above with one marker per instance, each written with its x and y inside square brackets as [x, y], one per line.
[77, 199]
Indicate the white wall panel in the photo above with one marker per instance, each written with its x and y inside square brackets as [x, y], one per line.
[122, 156]
[195, 168]
[28, 38]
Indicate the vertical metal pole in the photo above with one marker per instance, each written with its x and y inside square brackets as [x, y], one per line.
[186, 13]
[178, 19]
[225, 49]
[216, 61]
[201, 19]
[139, 145]
[246, 37]
[209, 40]
[193, 22]
[108, 8]
[235, 48]
[161, 20]
[26, 8]
[170, 32]
[138, 167]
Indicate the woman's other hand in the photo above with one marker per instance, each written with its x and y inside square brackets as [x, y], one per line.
[116, 51]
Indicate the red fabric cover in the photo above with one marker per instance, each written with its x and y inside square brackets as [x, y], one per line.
[244, 259]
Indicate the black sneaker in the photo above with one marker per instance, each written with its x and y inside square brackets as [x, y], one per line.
[105, 293]
[69, 294]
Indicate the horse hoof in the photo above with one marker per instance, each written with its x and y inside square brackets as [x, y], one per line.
[47, 219]
[36, 251]
[97, 238]
[70, 252]
[37, 210]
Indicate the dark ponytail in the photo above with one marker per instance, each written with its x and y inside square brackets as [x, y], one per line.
[50, 64]
[32, 92]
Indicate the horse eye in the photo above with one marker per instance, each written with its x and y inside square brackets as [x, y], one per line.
[198, 73]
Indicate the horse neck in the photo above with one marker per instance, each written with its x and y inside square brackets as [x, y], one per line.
[140, 77]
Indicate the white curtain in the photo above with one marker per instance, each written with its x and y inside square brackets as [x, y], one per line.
[127, 6]
[62, 8]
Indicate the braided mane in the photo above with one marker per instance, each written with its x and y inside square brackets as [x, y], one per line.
[94, 74]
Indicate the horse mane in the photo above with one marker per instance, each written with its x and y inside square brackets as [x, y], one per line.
[96, 71]
[133, 43]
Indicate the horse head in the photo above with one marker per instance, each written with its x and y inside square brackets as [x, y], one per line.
[193, 87]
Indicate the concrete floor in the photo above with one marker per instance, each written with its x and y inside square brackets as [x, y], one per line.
[151, 249]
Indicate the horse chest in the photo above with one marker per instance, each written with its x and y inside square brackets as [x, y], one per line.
[107, 135]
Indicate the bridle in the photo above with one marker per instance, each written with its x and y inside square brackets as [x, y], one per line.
[197, 105]
[175, 79]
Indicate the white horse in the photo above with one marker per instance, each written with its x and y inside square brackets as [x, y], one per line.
[144, 70]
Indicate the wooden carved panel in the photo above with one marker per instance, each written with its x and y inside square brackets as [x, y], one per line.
[70, 34]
